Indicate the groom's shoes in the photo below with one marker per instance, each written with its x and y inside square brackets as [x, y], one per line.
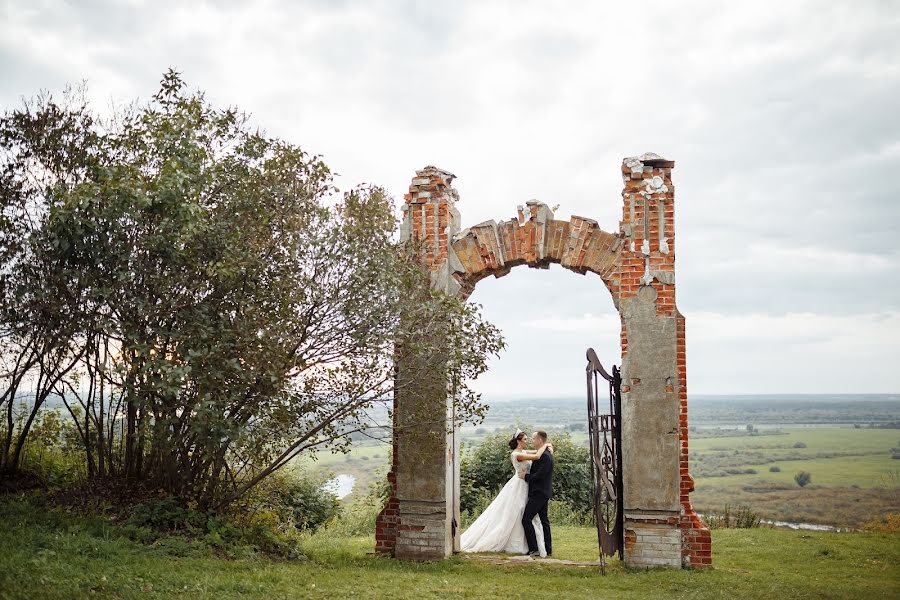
[534, 553]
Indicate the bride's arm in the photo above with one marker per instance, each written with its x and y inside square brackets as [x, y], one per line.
[522, 456]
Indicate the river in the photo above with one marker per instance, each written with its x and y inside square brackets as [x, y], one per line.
[341, 486]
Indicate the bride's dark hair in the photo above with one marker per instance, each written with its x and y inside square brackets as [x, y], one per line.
[514, 442]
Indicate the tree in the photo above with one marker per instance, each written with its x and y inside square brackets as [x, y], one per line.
[217, 306]
[44, 156]
[802, 478]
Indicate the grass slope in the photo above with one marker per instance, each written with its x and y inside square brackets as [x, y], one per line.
[50, 554]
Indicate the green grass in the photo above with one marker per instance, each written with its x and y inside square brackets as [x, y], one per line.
[871, 467]
[817, 439]
[51, 554]
[862, 471]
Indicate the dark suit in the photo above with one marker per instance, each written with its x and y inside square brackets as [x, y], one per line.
[540, 489]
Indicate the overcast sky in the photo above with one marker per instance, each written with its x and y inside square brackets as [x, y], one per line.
[783, 119]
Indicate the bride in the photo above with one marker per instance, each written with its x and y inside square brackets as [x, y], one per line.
[499, 528]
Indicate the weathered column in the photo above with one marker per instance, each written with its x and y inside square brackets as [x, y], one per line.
[661, 528]
[417, 522]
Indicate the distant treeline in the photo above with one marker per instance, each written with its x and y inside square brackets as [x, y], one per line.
[877, 410]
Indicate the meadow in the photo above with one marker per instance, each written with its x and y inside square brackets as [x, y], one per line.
[52, 554]
[47, 551]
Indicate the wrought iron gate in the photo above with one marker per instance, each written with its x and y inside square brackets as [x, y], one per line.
[605, 436]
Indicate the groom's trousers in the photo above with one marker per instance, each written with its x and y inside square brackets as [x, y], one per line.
[536, 506]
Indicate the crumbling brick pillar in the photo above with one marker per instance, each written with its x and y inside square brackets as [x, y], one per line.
[418, 520]
[661, 528]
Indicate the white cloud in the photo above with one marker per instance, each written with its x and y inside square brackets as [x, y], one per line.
[781, 117]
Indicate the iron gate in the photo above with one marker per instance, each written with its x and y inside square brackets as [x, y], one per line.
[605, 438]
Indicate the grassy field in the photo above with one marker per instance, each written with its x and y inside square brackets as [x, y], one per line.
[866, 462]
[834, 506]
[854, 478]
[50, 554]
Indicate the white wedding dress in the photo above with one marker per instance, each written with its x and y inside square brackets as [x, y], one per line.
[499, 528]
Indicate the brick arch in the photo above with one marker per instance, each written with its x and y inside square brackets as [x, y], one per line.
[637, 265]
[534, 239]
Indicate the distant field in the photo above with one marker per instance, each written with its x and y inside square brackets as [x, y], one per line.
[854, 478]
[871, 466]
[845, 491]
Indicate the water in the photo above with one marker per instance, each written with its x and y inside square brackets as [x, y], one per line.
[803, 526]
[800, 526]
[341, 486]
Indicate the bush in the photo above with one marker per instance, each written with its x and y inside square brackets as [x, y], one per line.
[889, 523]
[562, 513]
[297, 498]
[803, 478]
[742, 518]
[799, 445]
[354, 519]
[52, 455]
[774, 469]
[164, 514]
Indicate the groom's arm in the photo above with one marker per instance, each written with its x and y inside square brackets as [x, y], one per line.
[537, 470]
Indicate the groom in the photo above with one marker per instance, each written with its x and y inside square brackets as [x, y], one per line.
[540, 488]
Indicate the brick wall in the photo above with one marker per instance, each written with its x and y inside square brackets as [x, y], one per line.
[652, 542]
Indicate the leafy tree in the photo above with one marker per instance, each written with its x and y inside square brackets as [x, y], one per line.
[204, 301]
[803, 478]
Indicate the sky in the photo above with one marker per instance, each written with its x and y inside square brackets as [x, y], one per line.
[783, 119]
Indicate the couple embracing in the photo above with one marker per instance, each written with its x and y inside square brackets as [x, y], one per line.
[516, 521]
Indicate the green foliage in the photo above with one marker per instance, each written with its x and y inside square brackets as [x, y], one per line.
[486, 468]
[204, 296]
[308, 503]
[803, 478]
[164, 514]
[741, 518]
[357, 518]
[52, 451]
[267, 520]
[774, 469]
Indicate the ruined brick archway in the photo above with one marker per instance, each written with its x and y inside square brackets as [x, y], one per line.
[637, 265]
